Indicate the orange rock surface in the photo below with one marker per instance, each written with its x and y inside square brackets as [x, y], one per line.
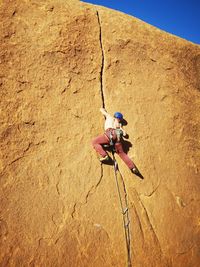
[60, 62]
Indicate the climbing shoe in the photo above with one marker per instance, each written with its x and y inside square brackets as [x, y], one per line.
[104, 158]
[136, 172]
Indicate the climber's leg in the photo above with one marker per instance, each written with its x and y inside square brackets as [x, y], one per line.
[98, 142]
[119, 150]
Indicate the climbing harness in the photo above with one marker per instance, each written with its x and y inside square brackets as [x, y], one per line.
[114, 135]
[111, 135]
[111, 138]
[124, 210]
[119, 134]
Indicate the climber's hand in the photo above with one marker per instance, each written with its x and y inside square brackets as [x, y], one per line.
[103, 111]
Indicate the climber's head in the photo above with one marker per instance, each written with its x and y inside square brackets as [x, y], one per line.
[118, 116]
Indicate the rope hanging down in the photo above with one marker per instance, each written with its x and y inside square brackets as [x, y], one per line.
[124, 210]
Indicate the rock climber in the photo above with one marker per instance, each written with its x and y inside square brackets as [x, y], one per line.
[112, 136]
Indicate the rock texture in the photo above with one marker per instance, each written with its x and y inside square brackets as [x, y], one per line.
[60, 62]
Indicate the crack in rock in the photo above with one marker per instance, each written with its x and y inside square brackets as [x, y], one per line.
[73, 211]
[139, 222]
[91, 191]
[57, 188]
[153, 190]
[94, 187]
[102, 60]
[150, 224]
[186, 251]
[30, 145]
[4, 168]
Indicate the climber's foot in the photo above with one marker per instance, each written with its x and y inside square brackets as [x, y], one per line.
[136, 172]
[105, 158]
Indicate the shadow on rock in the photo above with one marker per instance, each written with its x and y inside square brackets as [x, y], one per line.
[126, 145]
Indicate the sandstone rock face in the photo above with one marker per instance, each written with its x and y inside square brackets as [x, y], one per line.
[60, 62]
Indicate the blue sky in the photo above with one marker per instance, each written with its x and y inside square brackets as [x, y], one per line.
[181, 18]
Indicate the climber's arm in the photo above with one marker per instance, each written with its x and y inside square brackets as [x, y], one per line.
[104, 112]
[123, 131]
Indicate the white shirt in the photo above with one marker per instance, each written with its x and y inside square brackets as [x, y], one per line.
[110, 122]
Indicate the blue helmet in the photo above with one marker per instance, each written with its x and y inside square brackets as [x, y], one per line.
[118, 115]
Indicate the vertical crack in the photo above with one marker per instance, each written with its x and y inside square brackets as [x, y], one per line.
[150, 226]
[102, 60]
[139, 222]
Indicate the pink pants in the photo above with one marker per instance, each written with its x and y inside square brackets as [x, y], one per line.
[103, 139]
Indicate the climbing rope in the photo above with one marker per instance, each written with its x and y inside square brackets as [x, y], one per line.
[124, 210]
